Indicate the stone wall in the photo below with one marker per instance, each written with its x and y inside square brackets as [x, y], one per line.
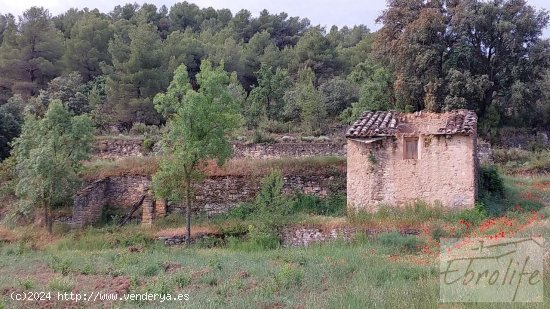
[303, 236]
[278, 150]
[215, 195]
[445, 172]
[118, 148]
[114, 191]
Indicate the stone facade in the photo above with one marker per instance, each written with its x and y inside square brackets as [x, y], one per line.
[443, 171]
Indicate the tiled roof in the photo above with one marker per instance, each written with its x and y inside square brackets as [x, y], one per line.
[459, 121]
[390, 123]
[374, 124]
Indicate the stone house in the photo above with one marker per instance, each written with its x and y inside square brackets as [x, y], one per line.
[397, 158]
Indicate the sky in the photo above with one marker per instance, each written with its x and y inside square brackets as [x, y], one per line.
[319, 12]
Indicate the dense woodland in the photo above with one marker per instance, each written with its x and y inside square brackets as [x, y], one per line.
[285, 73]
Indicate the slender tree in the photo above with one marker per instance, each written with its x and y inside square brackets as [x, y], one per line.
[199, 122]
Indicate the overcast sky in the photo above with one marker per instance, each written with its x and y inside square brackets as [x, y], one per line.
[323, 12]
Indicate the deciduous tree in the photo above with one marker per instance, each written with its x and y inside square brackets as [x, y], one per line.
[197, 132]
[49, 154]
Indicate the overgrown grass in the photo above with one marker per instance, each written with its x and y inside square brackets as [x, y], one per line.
[520, 161]
[367, 274]
[146, 166]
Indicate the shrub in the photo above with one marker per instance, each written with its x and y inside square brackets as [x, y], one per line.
[60, 265]
[138, 128]
[182, 280]
[261, 239]
[150, 270]
[272, 204]
[260, 137]
[289, 276]
[334, 205]
[147, 145]
[243, 211]
[274, 126]
[61, 285]
[490, 182]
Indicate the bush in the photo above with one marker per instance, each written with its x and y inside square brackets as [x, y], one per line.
[147, 145]
[274, 126]
[490, 182]
[140, 128]
[289, 276]
[260, 137]
[334, 205]
[261, 239]
[61, 285]
[243, 211]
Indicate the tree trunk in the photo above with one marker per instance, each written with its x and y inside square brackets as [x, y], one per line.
[47, 218]
[188, 214]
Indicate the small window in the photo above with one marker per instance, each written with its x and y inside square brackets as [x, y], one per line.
[411, 148]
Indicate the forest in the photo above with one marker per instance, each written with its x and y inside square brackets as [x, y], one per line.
[285, 73]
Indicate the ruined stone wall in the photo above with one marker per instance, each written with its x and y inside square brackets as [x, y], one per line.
[118, 148]
[278, 150]
[214, 195]
[443, 173]
[121, 192]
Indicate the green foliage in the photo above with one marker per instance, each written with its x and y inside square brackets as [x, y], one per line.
[197, 131]
[271, 202]
[30, 54]
[305, 104]
[182, 280]
[259, 239]
[289, 276]
[445, 55]
[49, 154]
[334, 205]
[265, 101]
[338, 94]
[137, 74]
[259, 137]
[87, 45]
[474, 215]
[490, 182]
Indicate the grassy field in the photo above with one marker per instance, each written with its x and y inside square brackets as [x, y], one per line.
[388, 270]
[362, 274]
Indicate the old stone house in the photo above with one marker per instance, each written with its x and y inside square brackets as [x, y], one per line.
[397, 158]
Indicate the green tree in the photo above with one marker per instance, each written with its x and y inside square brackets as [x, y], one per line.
[11, 119]
[265, 101]
[466, 54]
[375, 90]
[338, 94]
[88, 44]
[49, 154]
[69, 89]
[305, 103]
[137, 74]
[197, 132]
[31, 52]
